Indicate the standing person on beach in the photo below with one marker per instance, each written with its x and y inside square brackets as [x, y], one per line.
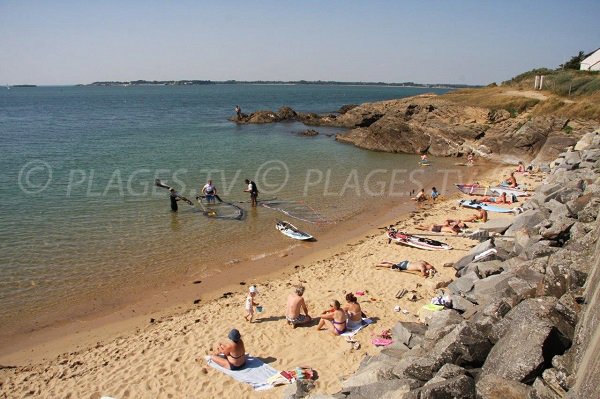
[231, 354]
[250, 304]
[253, 190]
[295, 303]
[434, 193]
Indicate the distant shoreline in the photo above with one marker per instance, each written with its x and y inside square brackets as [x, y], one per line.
[276, 82]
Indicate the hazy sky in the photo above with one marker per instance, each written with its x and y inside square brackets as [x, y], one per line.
[474, 42]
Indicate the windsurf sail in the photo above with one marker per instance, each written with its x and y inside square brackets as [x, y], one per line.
[297, 210]
[220, 210]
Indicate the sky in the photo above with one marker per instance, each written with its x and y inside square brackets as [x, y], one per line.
[60, 42]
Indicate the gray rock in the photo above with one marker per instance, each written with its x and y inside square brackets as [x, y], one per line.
[539, 249]
[384, 389]
[440, 320]
[527, 222]
[524, 351]
[368, 374]
[450, 371]
[465, 260]
[299, 389]
[493, 386]
[491, 288]
[541, 390]
[408, 333]
[489, 268]
[464, 283]
[568, 307]
[463, 346]
[499, 225]
[458, 387]
[461, 304]
[413, 367]
[590, 212]
[572, 158]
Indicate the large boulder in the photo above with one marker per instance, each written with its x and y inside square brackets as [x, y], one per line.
[409, 333]
[493, 386]
[464, 346]
[384, 389]
[461, 386]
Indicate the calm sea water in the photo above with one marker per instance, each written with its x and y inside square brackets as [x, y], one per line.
[81, 219]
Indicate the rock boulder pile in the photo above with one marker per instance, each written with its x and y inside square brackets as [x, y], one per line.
[525, 321]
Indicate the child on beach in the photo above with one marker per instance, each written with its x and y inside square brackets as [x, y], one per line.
[250, 304]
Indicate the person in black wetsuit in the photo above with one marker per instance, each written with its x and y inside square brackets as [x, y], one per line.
[253, 190]
[174, 198]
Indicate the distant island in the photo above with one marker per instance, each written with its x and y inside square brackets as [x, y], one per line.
[22, 86]
[275, 82]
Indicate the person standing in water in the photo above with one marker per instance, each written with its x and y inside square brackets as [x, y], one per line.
[174, 198]
[210, 191]
[253, 190]
[238, 112]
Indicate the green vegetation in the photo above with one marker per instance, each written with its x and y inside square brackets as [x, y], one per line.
[574, 62]
[566, 83]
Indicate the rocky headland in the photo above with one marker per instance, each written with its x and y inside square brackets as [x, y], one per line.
[439, 126]
[524, 320]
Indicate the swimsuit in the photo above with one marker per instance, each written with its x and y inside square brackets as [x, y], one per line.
[336, 329]
[233, 366]
[401, 266]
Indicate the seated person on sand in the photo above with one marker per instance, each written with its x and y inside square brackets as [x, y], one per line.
[480, 216]
[441, 228]
[511, 181]
[421, 196]
[295, 303]
[425, 268]
[353, 311]
[497, 200]
[231, 354]
[334, 319]
[520, 167]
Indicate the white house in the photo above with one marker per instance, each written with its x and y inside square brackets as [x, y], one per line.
[591, 62]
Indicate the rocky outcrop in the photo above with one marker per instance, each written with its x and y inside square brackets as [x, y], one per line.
[525, 325]
[432, 124]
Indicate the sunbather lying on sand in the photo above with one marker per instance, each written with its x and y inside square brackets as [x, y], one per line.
[425, 268]
[497, 200]
[441, 228]
[480, 216]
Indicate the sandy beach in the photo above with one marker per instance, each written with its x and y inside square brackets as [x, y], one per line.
[157, 358]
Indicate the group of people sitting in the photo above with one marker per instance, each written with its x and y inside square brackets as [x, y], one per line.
[337, 319]
[421, 196]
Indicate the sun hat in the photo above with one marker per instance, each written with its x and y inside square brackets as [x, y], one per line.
[253, 289]
[234, 335]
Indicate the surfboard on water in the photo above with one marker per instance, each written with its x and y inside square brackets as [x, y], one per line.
[490, 208]
[292, 231]
[416, 241]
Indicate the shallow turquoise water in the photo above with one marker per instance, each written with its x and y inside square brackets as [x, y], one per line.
[80, 217]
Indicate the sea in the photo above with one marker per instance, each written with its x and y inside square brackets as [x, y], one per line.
[82, 221]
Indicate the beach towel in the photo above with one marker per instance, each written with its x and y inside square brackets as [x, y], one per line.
[351, 331]
[255, 372]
